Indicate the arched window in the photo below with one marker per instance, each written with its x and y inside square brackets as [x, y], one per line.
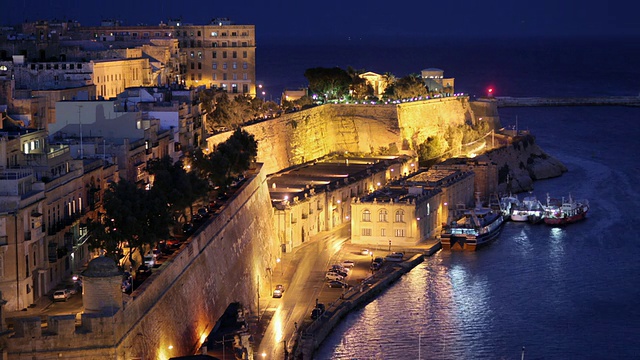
[399, 216]
[383, 216]
[366, 215]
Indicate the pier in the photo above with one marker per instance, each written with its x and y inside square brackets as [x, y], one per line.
[508, 101]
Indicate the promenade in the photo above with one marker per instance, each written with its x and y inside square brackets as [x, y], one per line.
[365, 285]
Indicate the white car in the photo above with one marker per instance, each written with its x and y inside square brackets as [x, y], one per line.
[61, 295]
[333, 276]
[347, 264]
[364, 252]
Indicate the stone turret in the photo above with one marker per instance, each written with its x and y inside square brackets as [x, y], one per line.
[102, 286]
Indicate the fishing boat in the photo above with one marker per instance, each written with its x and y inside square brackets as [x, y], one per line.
[530, 210]
[477, 227]
[565, 211]
[508, 204]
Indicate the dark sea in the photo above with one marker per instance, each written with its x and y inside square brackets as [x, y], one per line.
[558, 292]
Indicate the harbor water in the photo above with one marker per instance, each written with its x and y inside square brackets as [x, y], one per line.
[560, 292]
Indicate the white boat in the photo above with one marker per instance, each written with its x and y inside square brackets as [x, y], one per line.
[530, 209]
[508, 204]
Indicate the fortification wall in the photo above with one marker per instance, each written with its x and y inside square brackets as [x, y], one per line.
[180, 303]
[302, 136]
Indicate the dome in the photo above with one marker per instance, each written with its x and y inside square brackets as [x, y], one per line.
[102, 267]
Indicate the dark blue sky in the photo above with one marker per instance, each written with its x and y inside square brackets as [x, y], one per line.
[357, 19]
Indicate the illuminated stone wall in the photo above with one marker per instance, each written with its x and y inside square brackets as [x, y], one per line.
[175, 308]
[302, 136]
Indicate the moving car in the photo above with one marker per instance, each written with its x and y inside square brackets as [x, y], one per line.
[61, 295]
[364, 252]
[277, 293]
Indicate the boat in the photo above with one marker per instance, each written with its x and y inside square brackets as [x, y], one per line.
[529, 210]
[561, 212]
[477, 227]
[508, 204]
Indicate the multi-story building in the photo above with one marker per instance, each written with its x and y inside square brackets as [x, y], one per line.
[217, 55]
[411, 210]
[436, 83]
[43, 204]
[318, 197]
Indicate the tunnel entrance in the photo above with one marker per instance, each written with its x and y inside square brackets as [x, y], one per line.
[230, 338]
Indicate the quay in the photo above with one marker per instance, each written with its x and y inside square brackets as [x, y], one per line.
[508, 101]
[311, 333]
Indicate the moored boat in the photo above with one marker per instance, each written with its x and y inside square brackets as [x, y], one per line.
[564, 211]
[530, 210]
[477, 227]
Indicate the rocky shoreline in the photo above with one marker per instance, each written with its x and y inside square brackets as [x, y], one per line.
[521, 163]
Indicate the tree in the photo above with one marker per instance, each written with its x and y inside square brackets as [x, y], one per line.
[230, 158]
[407, 87]
[432, 149]
[328, 83]
[134, 216]
[178, 188]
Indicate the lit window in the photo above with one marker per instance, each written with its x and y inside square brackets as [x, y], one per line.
[399, 216]
[400, 233]
[366, 232]
[366, 215]
[382, 216]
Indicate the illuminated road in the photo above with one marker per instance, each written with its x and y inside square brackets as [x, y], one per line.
[309, 264]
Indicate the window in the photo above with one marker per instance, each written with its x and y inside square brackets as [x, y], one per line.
[215, 76]
[245, 76]
[244, 55]
[214, 34]
[199, 54]
[199, 33]
[366, 215]
[191, 54]
[199, 65]
[383, 232]
[400, 233]
[224, 66]
[215, 66]
[214, 54]
[234, 65]
[399, 216]
[234, 88]
[382, 216]
[245, 65]
[224, 54]
[235, 54]
[192, 66]
[245, 87]
[224, 76]
[234, 33]
[366, 232]
[235, 76]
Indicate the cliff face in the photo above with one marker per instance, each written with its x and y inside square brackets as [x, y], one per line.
[523, 162]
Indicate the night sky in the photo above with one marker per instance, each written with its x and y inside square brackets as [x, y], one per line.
[372, 20]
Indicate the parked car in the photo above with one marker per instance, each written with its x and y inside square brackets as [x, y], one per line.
[277, 292]
[364, 252]
[339, 272]
[376, 266]
[339, 267]
[394, 257]
[331, 276]
[187, 228]
[378, 260]
[61, 295]
[348, 263]
[337, 284]
[150, 260]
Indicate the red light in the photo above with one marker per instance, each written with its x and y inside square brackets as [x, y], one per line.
[490, 90]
